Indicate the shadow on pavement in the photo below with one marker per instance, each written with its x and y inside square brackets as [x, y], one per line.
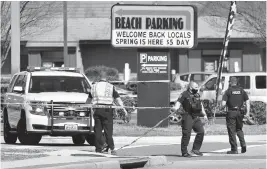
[215, 152]
[51, 144]
[168, 155]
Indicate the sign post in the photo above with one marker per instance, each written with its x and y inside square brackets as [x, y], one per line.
[153, 30]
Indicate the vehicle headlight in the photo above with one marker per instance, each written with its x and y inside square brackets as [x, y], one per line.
[38, 108]
[82, 114]
[61, 113]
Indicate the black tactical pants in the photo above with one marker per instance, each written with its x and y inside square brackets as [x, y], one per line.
[234, 122]
[189, 123]
[103, 120]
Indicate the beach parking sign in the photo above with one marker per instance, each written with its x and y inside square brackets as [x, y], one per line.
[139, 26]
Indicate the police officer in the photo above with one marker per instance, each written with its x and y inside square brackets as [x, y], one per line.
[104, 93]
[190, 100]
[234, 98]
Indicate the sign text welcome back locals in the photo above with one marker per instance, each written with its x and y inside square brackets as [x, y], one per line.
[153, 26]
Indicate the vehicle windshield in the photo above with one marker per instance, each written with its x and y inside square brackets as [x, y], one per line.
[40, 84]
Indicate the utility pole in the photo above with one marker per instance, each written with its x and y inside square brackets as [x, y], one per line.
[65, 19]
[15, 37]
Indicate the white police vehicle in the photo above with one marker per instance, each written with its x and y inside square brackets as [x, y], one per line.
[28, 112]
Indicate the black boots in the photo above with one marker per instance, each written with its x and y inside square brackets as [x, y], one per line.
[243, 149]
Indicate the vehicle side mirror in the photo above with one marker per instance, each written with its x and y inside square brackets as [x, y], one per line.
[18, 89]
[202, 88]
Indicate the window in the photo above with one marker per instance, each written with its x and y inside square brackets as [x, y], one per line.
[184, 78]
[58, 83]
[199, 77]
[211, 84]
[12, 83]
[21, 81]
[243, 81]
[260, 82]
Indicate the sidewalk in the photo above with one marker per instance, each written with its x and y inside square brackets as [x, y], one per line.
[69, 159]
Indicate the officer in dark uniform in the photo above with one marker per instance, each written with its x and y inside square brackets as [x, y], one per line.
[104, 93]
[234, 99]
[190, 100]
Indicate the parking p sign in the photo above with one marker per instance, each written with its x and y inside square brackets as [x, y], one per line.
[146, 26]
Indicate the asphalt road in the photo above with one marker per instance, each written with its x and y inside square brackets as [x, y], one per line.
[214, 153]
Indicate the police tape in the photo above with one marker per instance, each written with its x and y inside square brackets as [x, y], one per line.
[140, 81]
[85, 106]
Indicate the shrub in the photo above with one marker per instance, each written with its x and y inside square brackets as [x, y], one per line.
[258, 112]
[127, 101]
[5, 80]
[93, 73]
[175, 86]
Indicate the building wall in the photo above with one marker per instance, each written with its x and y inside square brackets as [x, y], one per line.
[105, 54]
[6, 69]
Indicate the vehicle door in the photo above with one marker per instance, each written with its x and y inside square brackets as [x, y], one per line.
[245, 82]
[16, 99]
[184, 80]
[9, 97]
[259, 89]
[199, 77]
[209, 89]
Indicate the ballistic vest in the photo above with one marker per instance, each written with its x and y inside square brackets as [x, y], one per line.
[102, 93]
[192, 103]
[236, 97]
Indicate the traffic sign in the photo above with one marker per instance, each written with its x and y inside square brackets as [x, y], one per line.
[147, 26]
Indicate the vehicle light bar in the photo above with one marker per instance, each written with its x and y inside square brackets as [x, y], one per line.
[68, 69]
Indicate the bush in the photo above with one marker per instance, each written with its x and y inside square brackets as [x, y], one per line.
[175, 86]
[93, 73]
[5, 80]
[258, 112]
[127, 101]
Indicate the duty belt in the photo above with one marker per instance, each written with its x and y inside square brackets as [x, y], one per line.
[234, 108]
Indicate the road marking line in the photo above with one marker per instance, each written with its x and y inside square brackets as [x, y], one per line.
[250, 146]
[228, 149]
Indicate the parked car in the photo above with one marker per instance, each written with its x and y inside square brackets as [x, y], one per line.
[254, 83]
[27, 115]
[185, 78]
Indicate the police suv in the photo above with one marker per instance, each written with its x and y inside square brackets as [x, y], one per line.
[47, 101]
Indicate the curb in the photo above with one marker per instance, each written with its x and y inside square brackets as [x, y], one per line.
[156, 161]
[91, 165]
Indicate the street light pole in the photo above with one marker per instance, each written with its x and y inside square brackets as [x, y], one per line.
[15, 37]
[66, 58]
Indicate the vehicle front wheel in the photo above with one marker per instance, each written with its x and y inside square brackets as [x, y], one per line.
[24, 137]
[9, 138]
[78, 139]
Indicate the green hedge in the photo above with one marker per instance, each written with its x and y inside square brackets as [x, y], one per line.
[93, 73]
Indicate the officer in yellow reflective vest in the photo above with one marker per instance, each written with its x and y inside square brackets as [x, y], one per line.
[104, 93]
